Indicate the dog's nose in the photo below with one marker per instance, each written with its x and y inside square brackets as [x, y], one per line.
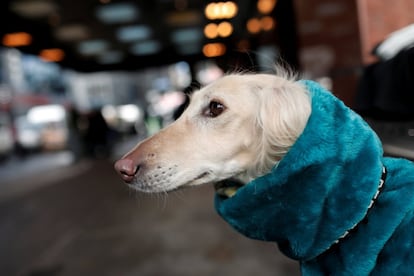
[126, 168]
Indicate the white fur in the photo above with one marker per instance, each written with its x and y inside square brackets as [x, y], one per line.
[264, 114]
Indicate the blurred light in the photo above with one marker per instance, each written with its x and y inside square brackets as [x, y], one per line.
[225, 29]
[17, 39]
[146, 48]
[210, 30]
[73, 32]
[33, 8]
[91, 47]
[110, 57]
[117, 13]
[187, 35]
[253, 25]
[109, 113]
[221, 10]
[208, 72]
[133, 33]
[267, 23]
[54, 55]
[266, 6]
[229, 9]
[180, 74]
[129, 113]
[46, 113]
[168, 102]
[214, 49]
[256, 25]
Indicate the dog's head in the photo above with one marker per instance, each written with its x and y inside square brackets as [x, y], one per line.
[237, 127]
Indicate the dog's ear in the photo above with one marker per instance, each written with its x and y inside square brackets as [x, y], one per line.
[283, 114]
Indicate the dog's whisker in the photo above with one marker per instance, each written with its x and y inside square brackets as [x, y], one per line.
[162, 198]
[179, 194]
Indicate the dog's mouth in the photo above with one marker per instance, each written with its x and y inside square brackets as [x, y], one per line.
[228, 187]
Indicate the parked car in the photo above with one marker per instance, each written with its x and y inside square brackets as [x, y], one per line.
[28, 135]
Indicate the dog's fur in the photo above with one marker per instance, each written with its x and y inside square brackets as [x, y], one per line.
[237, 127]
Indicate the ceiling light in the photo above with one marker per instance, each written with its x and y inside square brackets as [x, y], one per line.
[133, 33]
[221, 10]
[229, 9]
[225, 29]
[210, 31]
[253, 25]
[146, 48]
[214, 49]
[53, 55]
[91, 47]
[34, 8]
[267, 23]
[74, 32]
[110, 57]
[186, 35]
[17, 39]
[266, 6]
[117, 13]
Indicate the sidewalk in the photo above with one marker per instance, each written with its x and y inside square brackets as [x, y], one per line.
[89, 223]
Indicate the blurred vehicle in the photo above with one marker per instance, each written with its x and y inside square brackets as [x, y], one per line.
[44, 127]
[28, 135]
[6, 137]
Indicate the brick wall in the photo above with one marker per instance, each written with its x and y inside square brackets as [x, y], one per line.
[378, 19]
[336, 37]
[329, 45]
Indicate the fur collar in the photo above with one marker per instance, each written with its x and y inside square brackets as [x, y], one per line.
[319, 190]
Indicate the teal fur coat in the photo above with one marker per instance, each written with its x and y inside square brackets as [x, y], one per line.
[322, 189]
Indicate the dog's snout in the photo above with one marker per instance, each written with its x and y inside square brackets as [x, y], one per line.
[126, 168]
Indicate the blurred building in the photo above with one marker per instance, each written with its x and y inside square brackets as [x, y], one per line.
[337, 38]
[50, 56]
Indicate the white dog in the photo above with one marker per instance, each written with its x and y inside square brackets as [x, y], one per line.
[238, 127]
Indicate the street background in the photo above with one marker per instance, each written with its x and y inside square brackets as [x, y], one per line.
[63, 218]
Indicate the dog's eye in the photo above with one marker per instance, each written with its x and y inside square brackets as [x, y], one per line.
[214, 109]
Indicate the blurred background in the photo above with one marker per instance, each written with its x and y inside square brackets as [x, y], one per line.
[82, 81]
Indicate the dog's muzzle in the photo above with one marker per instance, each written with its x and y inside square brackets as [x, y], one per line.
[227, 188]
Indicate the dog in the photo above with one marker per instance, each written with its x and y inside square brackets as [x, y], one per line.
[225, 132]
[291, 164]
